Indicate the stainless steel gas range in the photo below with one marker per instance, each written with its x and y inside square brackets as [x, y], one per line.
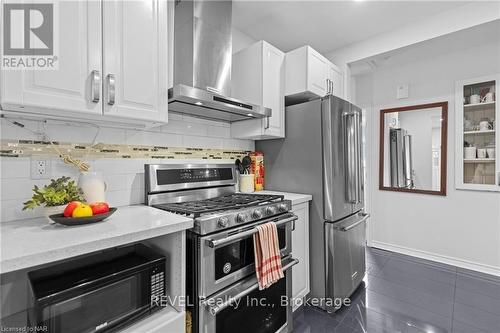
[221, 285]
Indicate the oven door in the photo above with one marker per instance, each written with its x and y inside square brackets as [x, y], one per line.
[227, 257]
[263, 311]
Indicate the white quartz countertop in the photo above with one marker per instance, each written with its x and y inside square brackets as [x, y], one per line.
[296, 198]
[32, 242]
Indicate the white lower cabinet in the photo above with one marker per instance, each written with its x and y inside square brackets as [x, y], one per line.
[300, 251]
[258, 77]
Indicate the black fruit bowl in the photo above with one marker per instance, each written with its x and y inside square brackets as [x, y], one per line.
[61, 219]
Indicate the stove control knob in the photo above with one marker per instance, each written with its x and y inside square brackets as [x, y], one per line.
[223, 222]
[271, 210]
[282, 207]
[257, 214]
[241, 217]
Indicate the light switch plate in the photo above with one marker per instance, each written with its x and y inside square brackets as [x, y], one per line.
[402, 91]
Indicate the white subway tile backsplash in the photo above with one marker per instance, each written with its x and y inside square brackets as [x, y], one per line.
[218, 131]
[115, 182]
[124, 177]
[183, 127]
[202, 142]
[135, 181]
[15, 167]
[17, 188]
[13, 210]
[153, 138]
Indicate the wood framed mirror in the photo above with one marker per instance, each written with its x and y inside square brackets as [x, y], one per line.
[413, 148]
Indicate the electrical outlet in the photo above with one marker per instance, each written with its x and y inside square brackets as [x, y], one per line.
[40, 168]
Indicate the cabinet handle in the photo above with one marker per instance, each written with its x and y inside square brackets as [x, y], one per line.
[327, 86]
[95, 86]
[267, 123]
[111, 89]
[331, 87]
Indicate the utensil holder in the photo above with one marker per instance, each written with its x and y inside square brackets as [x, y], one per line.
[247, 183]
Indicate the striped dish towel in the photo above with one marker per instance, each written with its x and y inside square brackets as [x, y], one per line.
[267, 255]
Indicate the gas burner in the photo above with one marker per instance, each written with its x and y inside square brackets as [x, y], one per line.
[219, 204]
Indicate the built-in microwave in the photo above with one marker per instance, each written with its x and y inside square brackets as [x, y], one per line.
[98, 293]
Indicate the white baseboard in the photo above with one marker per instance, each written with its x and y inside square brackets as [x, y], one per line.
[492, 270]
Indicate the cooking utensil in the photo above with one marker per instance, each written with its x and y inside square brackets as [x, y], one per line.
[246, 163]
[239, 167]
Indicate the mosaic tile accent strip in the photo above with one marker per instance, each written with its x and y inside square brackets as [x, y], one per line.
[24, 148]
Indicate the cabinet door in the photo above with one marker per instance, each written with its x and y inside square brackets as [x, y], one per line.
[300, 250]
[336, 78]
[273, 94]
[68, 89]
[135, 59]
[317, 72]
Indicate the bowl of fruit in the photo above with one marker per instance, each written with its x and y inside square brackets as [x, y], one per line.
[78, 213]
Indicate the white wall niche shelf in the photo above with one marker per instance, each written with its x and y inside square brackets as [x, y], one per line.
[481, 174]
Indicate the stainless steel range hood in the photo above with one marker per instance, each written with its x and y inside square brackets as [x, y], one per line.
[202, 64]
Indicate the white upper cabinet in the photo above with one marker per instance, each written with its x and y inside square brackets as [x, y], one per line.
[258, 75]
[113, 65]
[336, 80]
[309, 74]
[75, 86]
[135, 59]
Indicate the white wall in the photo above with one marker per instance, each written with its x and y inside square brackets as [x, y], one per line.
[462, 228]
[241, 40]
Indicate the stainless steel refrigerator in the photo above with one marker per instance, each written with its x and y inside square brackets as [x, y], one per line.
[400, 153]
[322, 155]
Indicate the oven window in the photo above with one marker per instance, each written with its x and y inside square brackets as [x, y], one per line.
[235, 256]
[251, 317]
[103, 306]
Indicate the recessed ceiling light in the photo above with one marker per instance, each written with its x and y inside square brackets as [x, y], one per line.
[198, 103]
[250, 114]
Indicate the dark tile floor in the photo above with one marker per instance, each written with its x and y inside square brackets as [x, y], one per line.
[402, 294]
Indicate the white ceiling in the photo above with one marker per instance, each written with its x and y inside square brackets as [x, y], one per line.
[328, 25]
[447, 44]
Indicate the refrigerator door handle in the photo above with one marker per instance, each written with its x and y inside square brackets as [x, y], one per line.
[365, 216]
[350, 157]
[359, 159]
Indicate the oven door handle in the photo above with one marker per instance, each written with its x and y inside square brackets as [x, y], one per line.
[219, 242]
[214, 309]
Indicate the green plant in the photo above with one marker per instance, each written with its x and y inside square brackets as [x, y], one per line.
[59, 192]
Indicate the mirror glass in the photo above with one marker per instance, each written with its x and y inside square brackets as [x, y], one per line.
[413, 148]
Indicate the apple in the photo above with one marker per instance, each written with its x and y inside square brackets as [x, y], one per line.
[99, 207]
[70, 207]
[82, 210]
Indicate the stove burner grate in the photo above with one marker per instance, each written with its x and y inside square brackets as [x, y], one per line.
[226, 202]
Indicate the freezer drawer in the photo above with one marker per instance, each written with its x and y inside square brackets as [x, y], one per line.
[345, 256]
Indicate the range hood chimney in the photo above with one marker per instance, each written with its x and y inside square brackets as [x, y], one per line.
[202, 64]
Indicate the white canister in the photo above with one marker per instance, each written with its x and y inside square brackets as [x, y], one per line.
[481, 153]
[469, 153]
[474, 99]
[247, 183]
[93, 186]
[490, 152]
